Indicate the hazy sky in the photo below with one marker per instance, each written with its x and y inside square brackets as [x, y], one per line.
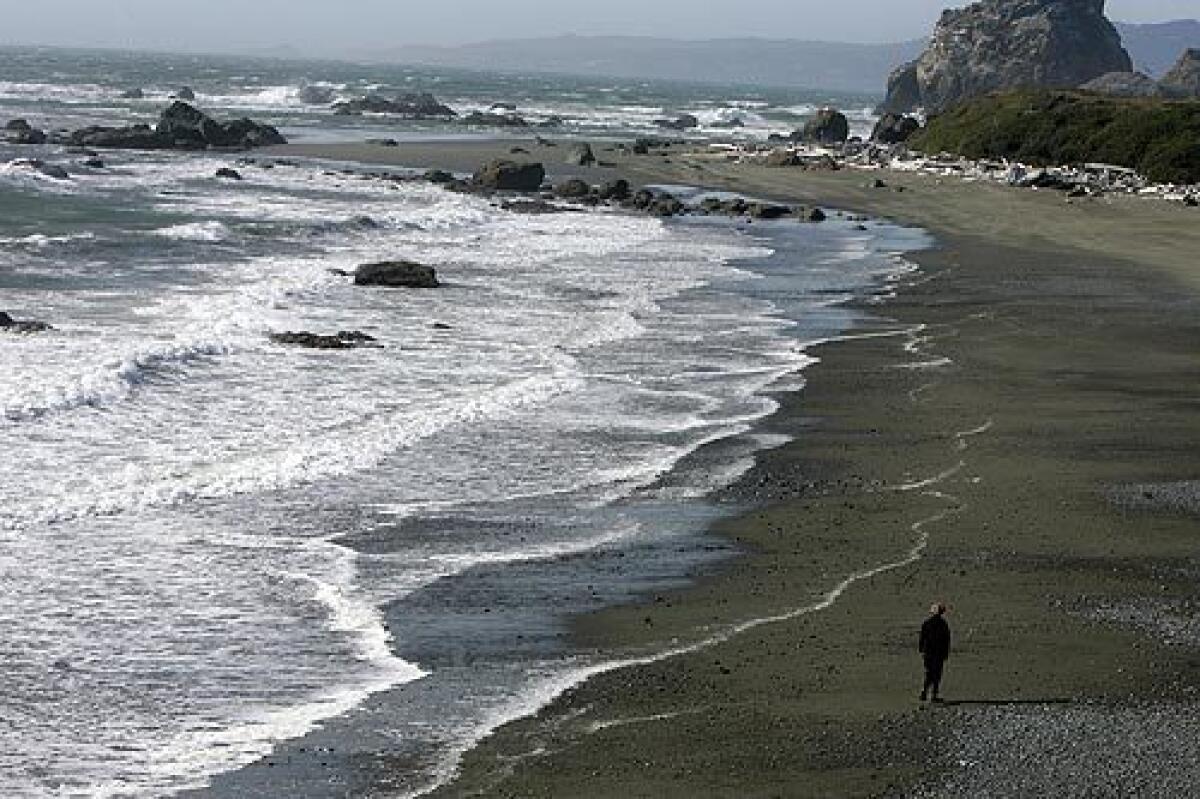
[340, 26]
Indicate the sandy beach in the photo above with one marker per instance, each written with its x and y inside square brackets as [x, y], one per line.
[1013, 433]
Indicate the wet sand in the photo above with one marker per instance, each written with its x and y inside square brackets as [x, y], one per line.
[966, 447]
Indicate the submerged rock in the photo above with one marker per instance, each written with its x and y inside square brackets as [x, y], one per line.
[133, 94]
[396, 274]
[344, 340]
[10, 325]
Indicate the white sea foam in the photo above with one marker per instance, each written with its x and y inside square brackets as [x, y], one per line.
[195, 231]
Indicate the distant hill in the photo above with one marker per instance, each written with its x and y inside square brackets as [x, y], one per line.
[759, 62]
[1155, 47]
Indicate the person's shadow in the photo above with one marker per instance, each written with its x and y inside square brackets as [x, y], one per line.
[1003, 702]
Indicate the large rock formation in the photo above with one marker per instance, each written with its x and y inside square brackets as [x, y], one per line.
[1007, 44]
[829, 126]
[1184, 78]
[413, 106]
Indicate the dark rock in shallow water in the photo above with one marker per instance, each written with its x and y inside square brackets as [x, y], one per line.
[573, 189]
[226, 173]
[829, 126]
[41, 167]
[396, 274]
[438, 176]
[181, 127]
[481, 119]
[532, 207]
[767, 211]
[581, 155]
[1007, 44]
[510, 176]
[344, 340]
[681, 122]
[316, 95]
[184, 93]
[10, 325]
[18, 131]
[413, 106]
[894, 129]
[133, 94]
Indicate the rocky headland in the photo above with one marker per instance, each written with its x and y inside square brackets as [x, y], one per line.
[1008, 44]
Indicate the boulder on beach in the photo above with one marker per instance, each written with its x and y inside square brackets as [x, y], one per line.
[782, 157]
[343, 340]
[573, 189]
[397, 274]
[894, 129]
[11, 325]
[581, 155]
[829, 126]
[614, 190]
[505, 175]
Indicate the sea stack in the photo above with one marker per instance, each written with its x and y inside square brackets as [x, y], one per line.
[1008, 44]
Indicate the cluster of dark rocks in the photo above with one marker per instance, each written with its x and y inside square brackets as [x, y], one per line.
[681, 122]
[421, 105]
[180, 127]
[10, 325]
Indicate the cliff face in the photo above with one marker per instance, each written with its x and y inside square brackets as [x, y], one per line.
[1184, 79]
[1006, 44]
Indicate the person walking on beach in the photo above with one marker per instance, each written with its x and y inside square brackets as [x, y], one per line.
[935, 647]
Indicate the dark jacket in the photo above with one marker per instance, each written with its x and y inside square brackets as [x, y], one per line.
[935, 638]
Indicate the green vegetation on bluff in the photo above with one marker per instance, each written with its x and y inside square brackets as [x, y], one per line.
[1158, 138]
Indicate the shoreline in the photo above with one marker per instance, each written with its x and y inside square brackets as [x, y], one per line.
[841, 712]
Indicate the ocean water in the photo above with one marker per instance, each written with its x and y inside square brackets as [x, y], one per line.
[65, 88]
[212, 545]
